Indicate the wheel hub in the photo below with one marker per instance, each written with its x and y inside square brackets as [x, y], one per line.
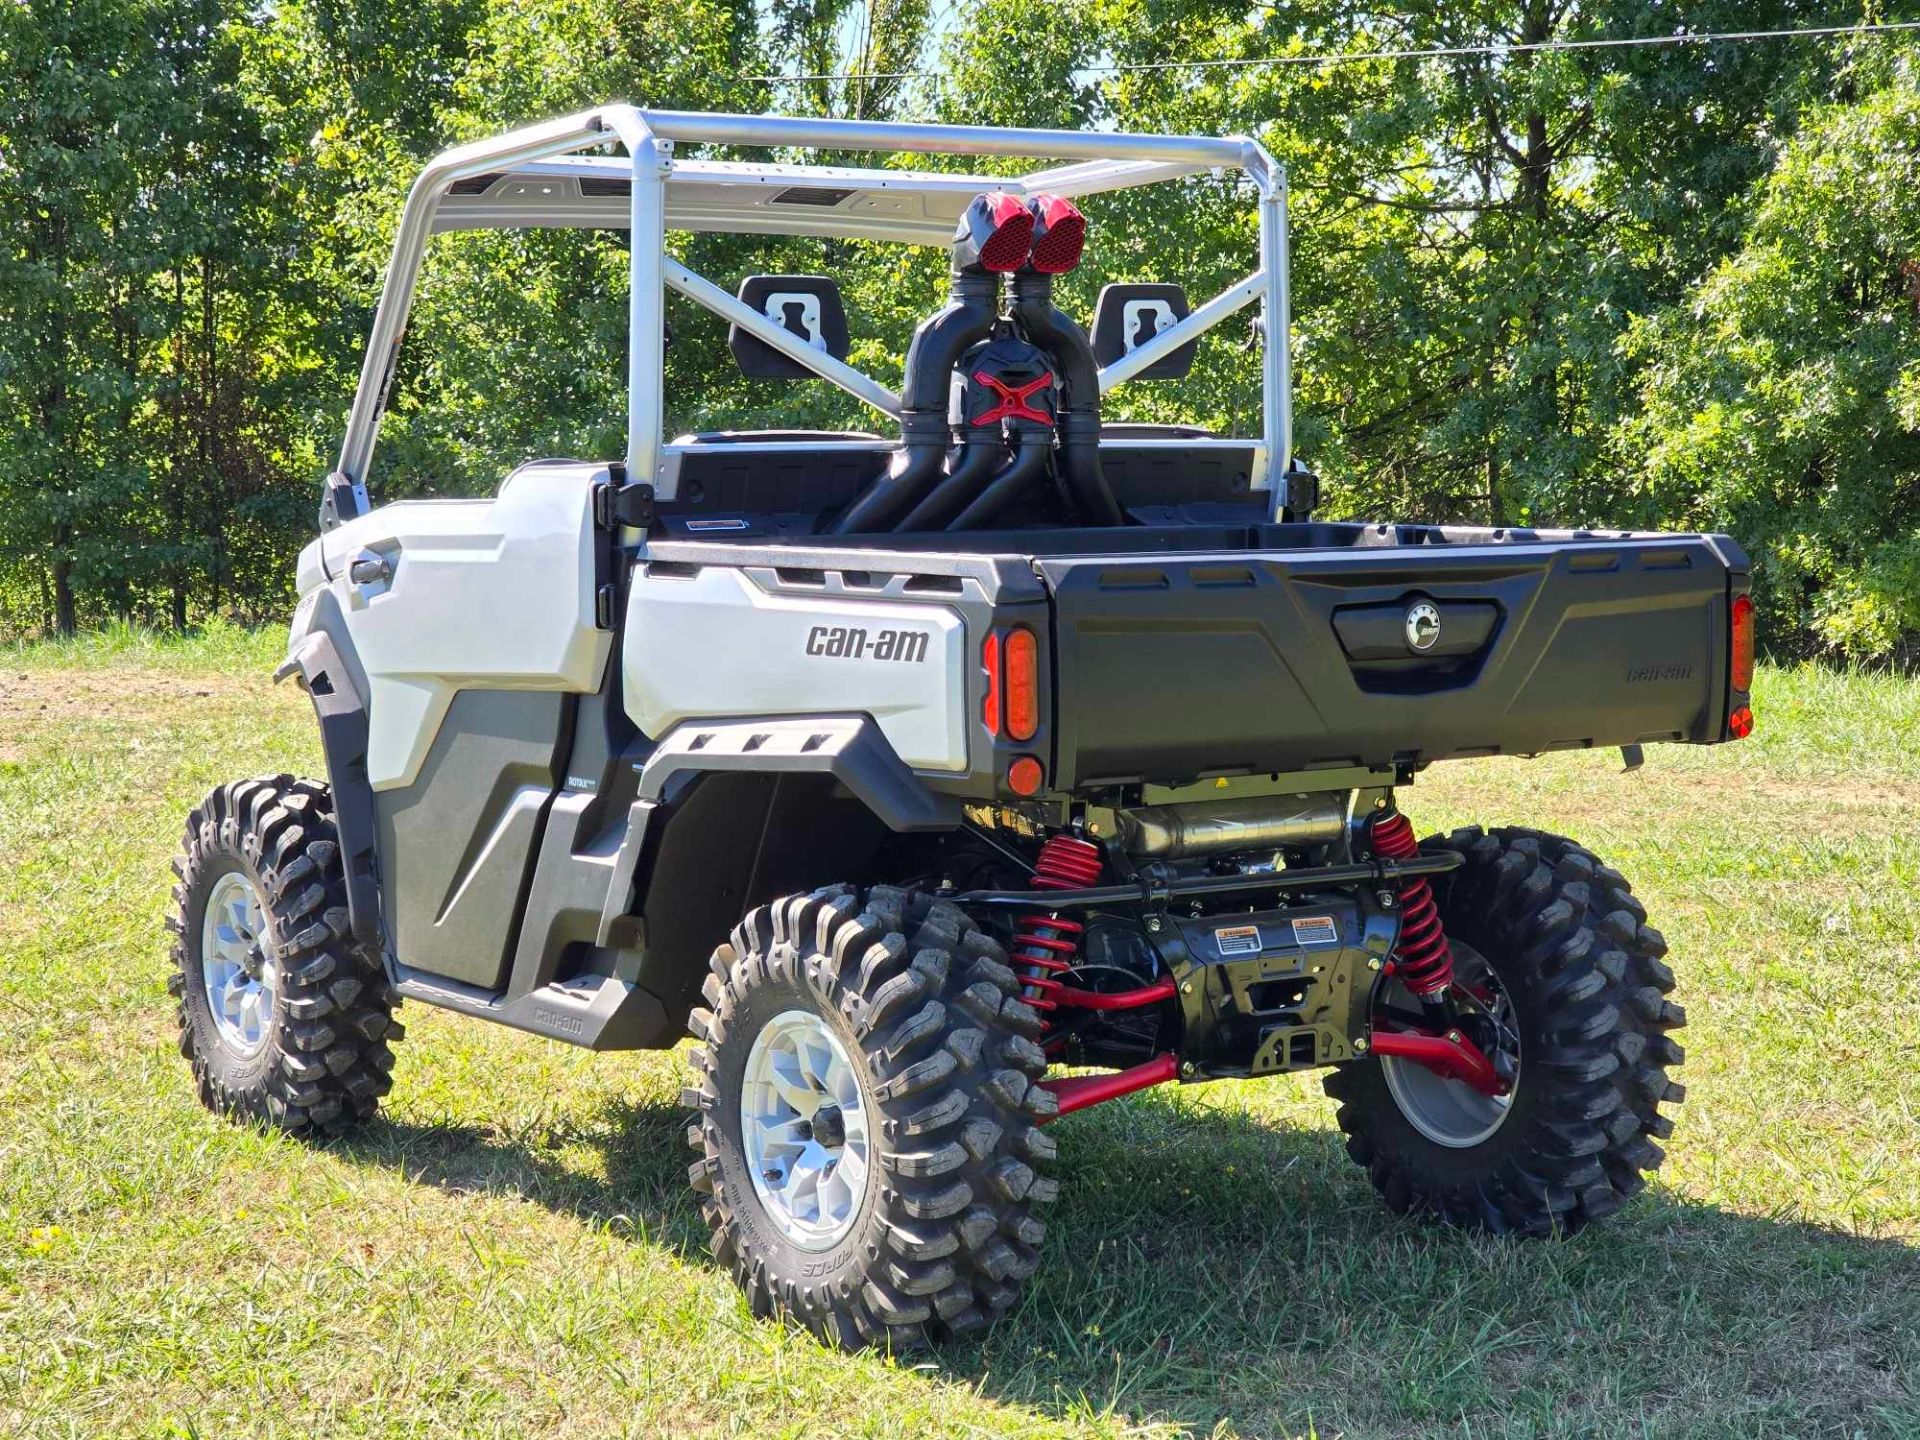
[829, 1127]
[1447, 1111]
[803, 1128]
[238, 971]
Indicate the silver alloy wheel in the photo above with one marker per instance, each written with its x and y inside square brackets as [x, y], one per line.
[237, 967]
[803, 1127]
[1452, 1112]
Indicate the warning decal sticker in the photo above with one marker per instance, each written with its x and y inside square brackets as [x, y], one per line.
[1238, 939]
[1315, 930]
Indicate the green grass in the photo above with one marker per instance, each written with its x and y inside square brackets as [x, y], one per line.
[510, 1251]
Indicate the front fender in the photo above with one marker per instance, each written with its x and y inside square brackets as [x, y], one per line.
[342, 712]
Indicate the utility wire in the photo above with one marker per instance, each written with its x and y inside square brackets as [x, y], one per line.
[1437, 53]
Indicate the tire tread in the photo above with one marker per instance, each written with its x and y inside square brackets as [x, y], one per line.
[1579, 941]
[948, 1048]
[329, 1056]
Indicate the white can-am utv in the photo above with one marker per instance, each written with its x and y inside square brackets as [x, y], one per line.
[902, 772]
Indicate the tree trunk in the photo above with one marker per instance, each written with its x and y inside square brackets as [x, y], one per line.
[1536, 189]
[211, 478]
[1536, 171]
[63, 614]
[177, 466]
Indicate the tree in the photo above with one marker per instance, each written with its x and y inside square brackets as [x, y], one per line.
[1782, 399]
[134, 177]
[1471, 231]
[75, 283]
[1529, 286]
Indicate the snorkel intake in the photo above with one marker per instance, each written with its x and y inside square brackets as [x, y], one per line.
[1012, 400]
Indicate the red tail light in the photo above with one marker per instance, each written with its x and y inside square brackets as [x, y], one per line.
[1743, 642]
[1059, 234]
[990, 662]
[1023, 683]
[1012, 700]
[1740, 723]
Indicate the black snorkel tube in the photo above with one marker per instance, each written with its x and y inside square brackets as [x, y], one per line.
[1033, 241]
[1059, 234]
[978, 459]
[1008, 397]
[993, 238]
[1032, 449]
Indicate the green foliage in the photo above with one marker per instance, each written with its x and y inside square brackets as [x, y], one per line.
[1659, 286]
[1784, 401]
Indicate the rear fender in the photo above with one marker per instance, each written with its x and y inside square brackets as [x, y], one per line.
[850, 748]
[732, 814]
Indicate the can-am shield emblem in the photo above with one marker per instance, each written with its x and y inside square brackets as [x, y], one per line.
[1423, 625]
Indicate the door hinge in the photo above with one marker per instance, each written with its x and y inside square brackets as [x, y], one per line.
[1300, 493]
[616, 505]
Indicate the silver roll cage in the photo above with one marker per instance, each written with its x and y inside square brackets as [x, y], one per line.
[536, 177]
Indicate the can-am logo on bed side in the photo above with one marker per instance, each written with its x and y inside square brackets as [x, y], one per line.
[844, 642]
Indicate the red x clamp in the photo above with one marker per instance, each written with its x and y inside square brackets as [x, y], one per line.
[1013, 399]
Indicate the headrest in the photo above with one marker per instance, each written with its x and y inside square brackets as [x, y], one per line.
[1127, 316]
[808, 305]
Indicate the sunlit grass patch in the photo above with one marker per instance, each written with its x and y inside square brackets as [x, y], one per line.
[511, 1250]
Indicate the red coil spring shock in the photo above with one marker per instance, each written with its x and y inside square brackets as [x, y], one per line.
[1423, 959]
[1044, 945]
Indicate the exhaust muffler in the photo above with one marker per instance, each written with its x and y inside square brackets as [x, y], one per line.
[1267, 822]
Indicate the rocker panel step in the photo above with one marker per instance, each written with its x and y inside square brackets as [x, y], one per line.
[595, 1012]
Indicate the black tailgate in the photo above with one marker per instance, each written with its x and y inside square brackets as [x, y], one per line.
[1172, 666]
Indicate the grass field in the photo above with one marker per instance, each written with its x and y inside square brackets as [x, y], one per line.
[510, 1251]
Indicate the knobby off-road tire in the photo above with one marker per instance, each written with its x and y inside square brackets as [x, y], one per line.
[1565, 936]
[323, 1058]
[926, 1009]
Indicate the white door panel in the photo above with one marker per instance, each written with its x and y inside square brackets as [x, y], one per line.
[483, 594]
[714, 645]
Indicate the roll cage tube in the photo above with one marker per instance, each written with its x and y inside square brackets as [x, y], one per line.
[534, 177]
